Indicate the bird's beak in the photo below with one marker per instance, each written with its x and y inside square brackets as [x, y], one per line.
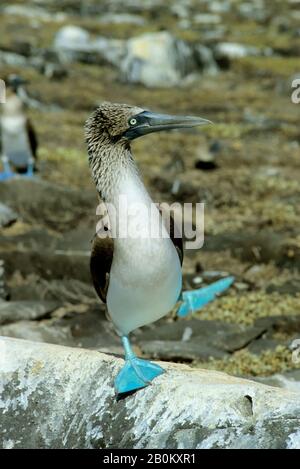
[148, 122]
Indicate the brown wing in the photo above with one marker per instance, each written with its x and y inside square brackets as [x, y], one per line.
[100, 264]
[174, 233]
[32, 139]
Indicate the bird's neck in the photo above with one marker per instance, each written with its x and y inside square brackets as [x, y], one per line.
[115, 172]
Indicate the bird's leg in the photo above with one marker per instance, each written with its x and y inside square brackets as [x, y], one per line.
[7, 173]
[131, 357]
[129, 353]
[195, 299]
[136, 373]
[30, 166]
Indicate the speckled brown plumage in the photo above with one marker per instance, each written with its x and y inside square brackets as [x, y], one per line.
[109, 152]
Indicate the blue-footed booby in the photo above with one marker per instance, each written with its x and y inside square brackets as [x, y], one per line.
[18, 138]
[138, 275]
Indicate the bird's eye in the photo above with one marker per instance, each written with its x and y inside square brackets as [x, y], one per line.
[132, 121]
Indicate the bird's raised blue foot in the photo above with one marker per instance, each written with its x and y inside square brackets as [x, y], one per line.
[136, 373]
[195, 299]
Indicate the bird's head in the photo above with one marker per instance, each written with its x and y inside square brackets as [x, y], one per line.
[109, 131]
[121, 122]
[14, 82]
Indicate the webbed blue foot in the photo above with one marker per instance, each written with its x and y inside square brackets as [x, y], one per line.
[136, 373]
[7, 173]
[5, 176]
[193, 300]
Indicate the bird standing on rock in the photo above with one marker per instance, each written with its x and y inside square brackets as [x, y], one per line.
[18, 138]
[138, 275]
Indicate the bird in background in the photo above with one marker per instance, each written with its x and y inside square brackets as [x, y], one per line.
[17, 135]
[138, 277]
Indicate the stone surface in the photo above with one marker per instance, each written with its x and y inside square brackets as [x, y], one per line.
[7, 216]
[12, 311]
[262, 345]
[284, 324]
[157, 60]
[235, 51]
[67, 290]
[122, 18]
[206, 19]
[78, 325]
[43, 331]
[64, 398]
[48, 264]
[72, 43]
[205, 58]
[289, 380]
[33, 12]
[182, 351]
[3, 290]
[44, 207]
[71, 38]
[194, 339]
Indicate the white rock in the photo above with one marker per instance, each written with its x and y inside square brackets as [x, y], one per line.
[65, 399]
[180, 10]
[122, 18]
[233, 50]
[157, 60]
[216, 6]
[71, 37]
[206, 18]
[36, 13]
[75, 44]
[113, 50]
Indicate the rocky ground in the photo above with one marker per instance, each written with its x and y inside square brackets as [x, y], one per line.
[232, 62]
[65, 398]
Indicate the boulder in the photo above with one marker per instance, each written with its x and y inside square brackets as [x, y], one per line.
[72, 43]
[48, 265]
[193, 339]
[13, 311]
[68, 290]
[55, 206]
[179, 350]
[157, 60]
[231, 51]
[71, 37]
[64, 398]
[7, 216]
[38, 331]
